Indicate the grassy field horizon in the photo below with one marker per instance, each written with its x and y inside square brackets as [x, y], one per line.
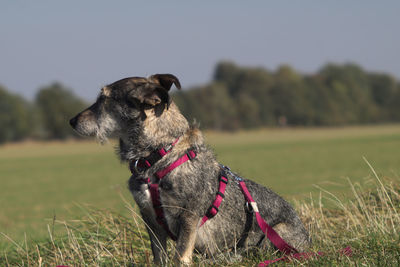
[41, 181]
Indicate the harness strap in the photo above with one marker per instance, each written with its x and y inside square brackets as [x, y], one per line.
[271, 234]
[278, 242]
[188, 156]
[143, 164]
[155, 192]
[159, 211]
[247, 227]
[213, 210]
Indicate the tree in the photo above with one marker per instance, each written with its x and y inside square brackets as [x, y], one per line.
[15, 123]
[210, 105]
[350, 88]
[383, 91]
[227, 72]
[289, 97]
[394, 105]
[57, 105]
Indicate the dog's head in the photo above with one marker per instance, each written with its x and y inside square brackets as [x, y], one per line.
[125, 102]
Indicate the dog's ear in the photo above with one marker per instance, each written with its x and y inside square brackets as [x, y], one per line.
[152, 96]
[149, 97]
[166, 80]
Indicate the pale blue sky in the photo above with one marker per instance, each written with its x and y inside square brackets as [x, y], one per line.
[87, 44]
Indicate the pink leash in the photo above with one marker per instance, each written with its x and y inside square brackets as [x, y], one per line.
[272, 235]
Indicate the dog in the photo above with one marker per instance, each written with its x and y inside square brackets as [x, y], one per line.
[140, 113]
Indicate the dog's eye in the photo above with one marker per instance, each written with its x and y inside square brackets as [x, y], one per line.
[132, 103]
[106, 98]
[102, 97]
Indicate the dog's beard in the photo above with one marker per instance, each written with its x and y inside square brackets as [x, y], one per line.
[106, 127]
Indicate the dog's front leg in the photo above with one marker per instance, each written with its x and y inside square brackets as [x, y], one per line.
[186, 239]
[158, 241]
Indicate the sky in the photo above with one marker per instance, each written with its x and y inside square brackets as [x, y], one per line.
[88, 44]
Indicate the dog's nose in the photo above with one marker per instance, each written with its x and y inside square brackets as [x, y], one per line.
[73, 121]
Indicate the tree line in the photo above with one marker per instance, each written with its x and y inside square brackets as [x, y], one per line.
[248, 97]
[237, 97]
[44, 118]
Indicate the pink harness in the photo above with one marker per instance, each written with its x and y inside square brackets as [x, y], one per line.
[145, 163]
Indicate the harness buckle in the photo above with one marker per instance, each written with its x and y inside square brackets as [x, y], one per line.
[139, 166]
[223, 179]
[189, 154]
[238, 179]
[209, 214]
[167, 148]
[254, 206]
[135, 166]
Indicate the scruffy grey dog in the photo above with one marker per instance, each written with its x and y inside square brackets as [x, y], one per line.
[140, 113]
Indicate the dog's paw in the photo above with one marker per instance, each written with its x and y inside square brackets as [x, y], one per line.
[183, 261]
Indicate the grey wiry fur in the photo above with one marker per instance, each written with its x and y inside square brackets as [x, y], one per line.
[139, 112]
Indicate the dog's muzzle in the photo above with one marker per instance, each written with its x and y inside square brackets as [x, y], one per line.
[73, 122]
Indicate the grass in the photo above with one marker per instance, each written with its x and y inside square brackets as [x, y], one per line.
[54, 183]
[43, 180]
[303, 157]
[369, 223]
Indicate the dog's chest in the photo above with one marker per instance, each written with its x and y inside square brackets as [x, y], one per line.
[141, 192]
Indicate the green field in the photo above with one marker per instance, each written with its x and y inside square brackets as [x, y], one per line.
[43, 180]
